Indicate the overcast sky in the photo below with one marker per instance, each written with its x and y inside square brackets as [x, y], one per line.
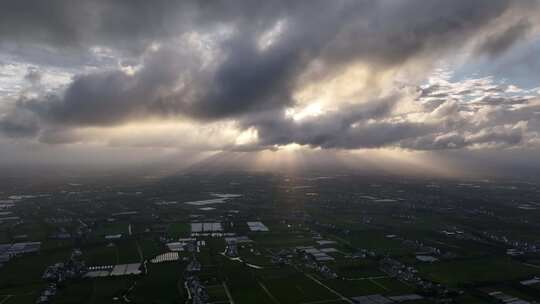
[137, 81]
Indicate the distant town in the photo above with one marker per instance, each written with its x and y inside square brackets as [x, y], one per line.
[261, 238]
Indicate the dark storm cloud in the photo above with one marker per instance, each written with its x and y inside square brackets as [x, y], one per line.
[244, 82]
[63, 23]
[399, 30]
[499, 43]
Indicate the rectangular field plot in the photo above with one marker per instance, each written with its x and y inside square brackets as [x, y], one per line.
[112, 228]
[100, 255]
[378, 242]
[179, 229]
[128, 252]
[217, 293]
[297, 288]
[93, 291]
[477, 270]
[353, 288]
[151, 248]
[249, 293]
[357, 268]
[122, 252]
[162, 280]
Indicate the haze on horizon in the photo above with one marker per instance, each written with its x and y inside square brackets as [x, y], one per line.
[439, 87]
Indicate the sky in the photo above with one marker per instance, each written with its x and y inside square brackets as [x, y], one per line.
[444, 87]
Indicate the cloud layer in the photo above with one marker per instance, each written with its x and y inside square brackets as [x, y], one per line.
[324, 74]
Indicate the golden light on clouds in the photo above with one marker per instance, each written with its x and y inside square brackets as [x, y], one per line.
[330, 90]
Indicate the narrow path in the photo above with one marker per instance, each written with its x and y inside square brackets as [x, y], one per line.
[141, 256]
[532, 265]
[93, 297]
[181, 285]
[117, 254]
[228, 293]
[270, 295]
[379, 284]
[126, 293]
[6, 299]
[342, 297]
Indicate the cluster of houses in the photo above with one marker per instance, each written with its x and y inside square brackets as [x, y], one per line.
[9, 251]
[47, 294]
[324, 270]
[518, 247]
[282, 257]
[196, 291]
[409, 274]
[395, 268]
[424, 253]
[306, 253]
[231, 249]
[186, 244]
[456, 233]
[61, 272]
[319, 255]
[312, 257]
[362, 254]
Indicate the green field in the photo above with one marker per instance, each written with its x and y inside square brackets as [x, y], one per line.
[151, 248]
[118, 252]
[376, 241]
[177, 230]
[112, 228]
[161, 285]
[487, 269]
[357, 268]
[296, 288]
[93, 291]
